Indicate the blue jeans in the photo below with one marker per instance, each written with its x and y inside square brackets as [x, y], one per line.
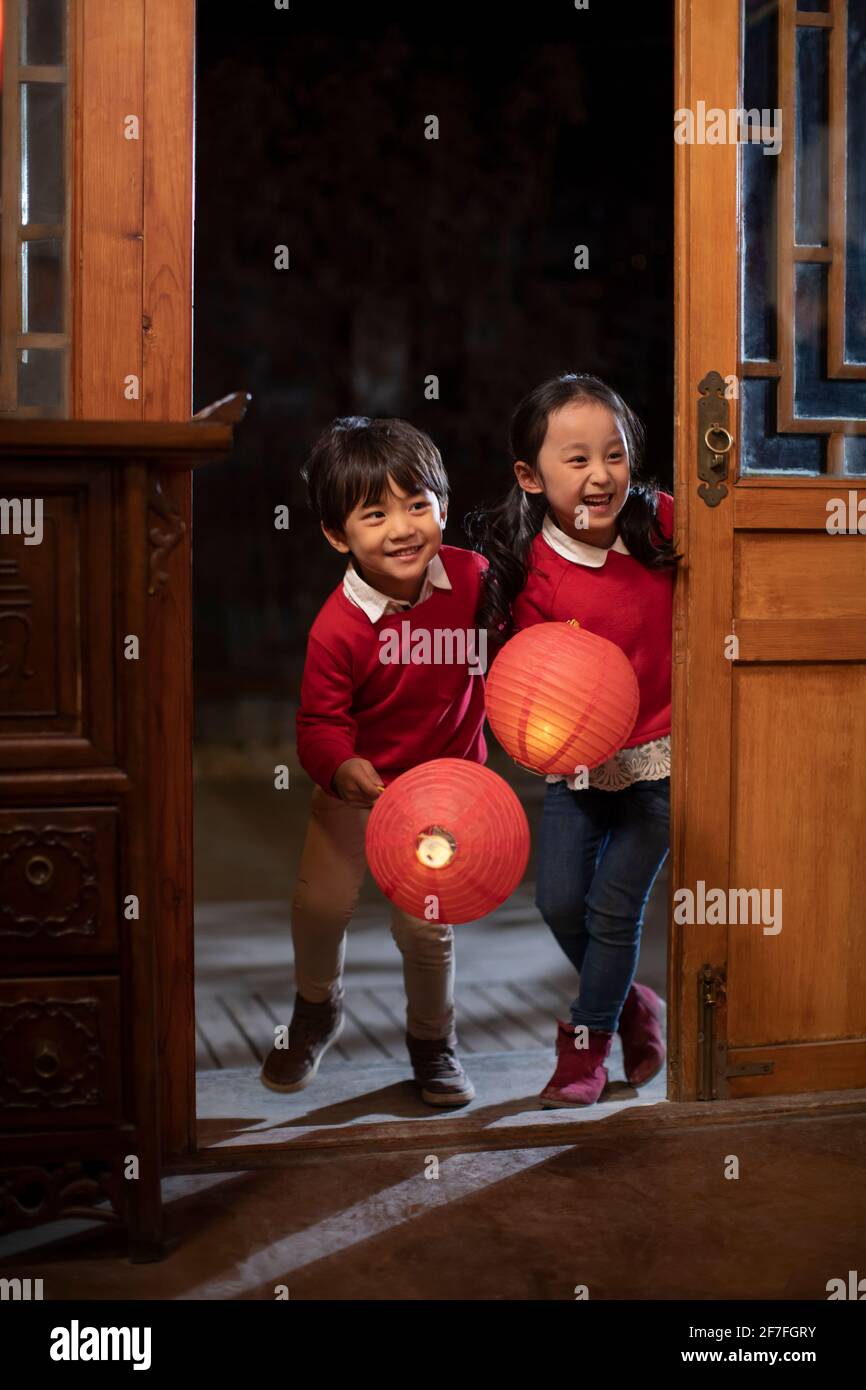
[598, 855]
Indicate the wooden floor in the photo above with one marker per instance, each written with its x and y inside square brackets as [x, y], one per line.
[512, 981]
[512, 978]
[235, 1027]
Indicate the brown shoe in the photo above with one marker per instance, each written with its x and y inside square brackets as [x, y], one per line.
[312, 1030]
[438, 1071]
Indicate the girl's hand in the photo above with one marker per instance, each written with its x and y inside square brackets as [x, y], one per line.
[357, 782]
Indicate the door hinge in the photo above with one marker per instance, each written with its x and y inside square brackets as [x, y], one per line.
[714, 1070]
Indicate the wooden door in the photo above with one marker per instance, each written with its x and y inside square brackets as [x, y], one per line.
[770, 625]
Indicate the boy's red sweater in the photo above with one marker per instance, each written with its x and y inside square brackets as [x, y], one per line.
[621, 600]
[393, 714]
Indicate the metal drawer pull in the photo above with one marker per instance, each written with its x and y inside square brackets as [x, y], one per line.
[46, 1061]
[39, 871]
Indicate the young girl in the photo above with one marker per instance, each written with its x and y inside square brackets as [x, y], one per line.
[578, 536]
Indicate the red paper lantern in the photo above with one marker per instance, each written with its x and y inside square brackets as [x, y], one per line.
[560, 698]
[448, 841]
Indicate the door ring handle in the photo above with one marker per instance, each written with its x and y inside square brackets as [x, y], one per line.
[718, 429]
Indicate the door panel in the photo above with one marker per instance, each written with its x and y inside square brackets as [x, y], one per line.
[799, 576]
[794, 732]
[769, 783]
[57, 625]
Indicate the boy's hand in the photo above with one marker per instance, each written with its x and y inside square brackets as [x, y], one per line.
[357, 782]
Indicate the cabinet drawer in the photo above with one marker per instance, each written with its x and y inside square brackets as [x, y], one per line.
[60, 1053]
[58, 883]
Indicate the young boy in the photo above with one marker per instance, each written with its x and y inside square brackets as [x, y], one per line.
[380, 493]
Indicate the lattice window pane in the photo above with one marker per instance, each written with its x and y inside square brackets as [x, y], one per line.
[40, 377]
[762, 448]
[855, 187]
[803, 241]
[759, 199]
[811, 156]
[43, 32]
[34, 215]
[42, 152]
[42, 287]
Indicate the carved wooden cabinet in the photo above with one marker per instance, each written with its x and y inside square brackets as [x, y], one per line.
[81, 1013]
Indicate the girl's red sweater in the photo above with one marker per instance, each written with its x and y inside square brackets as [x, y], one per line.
[621, 600]
[394, 714]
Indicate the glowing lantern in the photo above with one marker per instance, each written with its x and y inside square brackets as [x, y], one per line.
[448, 841]
[561, 698]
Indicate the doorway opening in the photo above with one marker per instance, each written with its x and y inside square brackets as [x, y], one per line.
[453, 260]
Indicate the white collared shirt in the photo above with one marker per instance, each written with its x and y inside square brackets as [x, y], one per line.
[646, 761]
[378, 605]
[580, 551]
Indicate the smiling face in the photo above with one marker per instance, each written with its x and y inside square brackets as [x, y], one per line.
[393, 539]
[583, 470]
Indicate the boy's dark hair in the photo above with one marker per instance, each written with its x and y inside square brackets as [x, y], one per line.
[504, 531]
[352, 459]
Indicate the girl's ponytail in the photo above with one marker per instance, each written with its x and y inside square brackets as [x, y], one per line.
[640, 529]
[503, 533]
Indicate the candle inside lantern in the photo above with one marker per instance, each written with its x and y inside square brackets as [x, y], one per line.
[453, 875]
[436, 847]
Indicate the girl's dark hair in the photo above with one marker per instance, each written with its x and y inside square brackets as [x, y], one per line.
[352, 459]
[505, 530]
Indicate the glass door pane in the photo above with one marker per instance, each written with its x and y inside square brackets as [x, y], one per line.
[34, 215]
[803, 239]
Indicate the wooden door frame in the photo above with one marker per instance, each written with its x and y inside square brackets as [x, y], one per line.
[705, 336]
[132, 291]
[132, 259]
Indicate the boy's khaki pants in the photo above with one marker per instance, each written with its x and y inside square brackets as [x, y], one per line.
[332, 869]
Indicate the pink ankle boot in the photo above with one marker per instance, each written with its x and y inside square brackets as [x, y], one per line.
[580, 1075]
[643, 1046]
